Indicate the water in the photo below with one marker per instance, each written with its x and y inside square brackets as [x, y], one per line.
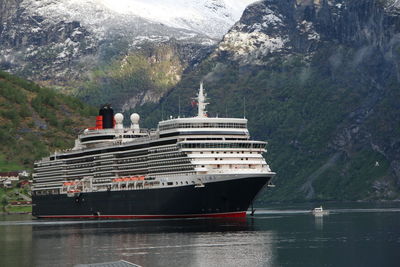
[348, 236]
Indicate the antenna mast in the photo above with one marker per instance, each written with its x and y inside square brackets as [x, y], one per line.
[162, 111]
[179, 100]
[244, 107]
[201, 104]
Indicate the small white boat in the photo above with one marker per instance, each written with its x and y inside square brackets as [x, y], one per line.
[319, 211]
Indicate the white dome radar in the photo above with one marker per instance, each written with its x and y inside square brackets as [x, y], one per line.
[135, 123]
[135, 118]
[119, 118]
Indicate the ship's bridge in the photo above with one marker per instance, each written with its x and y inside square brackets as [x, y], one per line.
[203, 126]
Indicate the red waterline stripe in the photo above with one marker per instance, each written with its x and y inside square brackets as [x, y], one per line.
[240, 214]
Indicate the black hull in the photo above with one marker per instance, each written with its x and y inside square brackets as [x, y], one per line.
[218, 199]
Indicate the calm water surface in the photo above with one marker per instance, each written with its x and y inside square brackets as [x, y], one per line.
[356, 236]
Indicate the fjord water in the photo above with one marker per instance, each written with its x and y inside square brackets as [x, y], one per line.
[280, 236]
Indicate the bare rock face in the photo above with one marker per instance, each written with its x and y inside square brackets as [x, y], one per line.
[41, 50]
[7, 8]
[271, 27]
[303, 26]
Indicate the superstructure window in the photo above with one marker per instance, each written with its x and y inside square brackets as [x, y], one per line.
[203, 125]
[224, 145]
[96, 138]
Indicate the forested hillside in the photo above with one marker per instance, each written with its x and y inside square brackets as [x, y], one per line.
[35, 121]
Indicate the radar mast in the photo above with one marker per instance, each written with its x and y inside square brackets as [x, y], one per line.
[201, 104]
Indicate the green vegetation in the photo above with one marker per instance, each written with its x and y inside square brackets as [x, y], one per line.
[35, 121]
[7, 195]
[154, 70]
[19, 209]
[7, 166]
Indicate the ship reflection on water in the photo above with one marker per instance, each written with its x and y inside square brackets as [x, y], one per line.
[193, 242]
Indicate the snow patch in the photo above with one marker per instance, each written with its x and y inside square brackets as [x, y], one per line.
[76, 32]
[210, 17]
[271, 19]
[251, 45]
[35, 30]
[307, 27]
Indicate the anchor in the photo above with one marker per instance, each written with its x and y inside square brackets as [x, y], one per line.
[252, 209]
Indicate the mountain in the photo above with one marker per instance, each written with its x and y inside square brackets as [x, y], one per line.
[211, 18]
[36, 120]
[67, 43]
[319, 80]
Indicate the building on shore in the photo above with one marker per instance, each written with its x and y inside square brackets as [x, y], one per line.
[6, 178]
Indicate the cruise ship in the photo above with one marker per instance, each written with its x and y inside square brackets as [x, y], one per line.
[187, 167]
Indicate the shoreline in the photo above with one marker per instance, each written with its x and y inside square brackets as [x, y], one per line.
[15, 213]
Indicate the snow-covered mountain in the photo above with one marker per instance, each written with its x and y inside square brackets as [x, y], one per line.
[212, 18]
[61, 42]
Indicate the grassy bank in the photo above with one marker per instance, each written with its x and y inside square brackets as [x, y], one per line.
[8, 195]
